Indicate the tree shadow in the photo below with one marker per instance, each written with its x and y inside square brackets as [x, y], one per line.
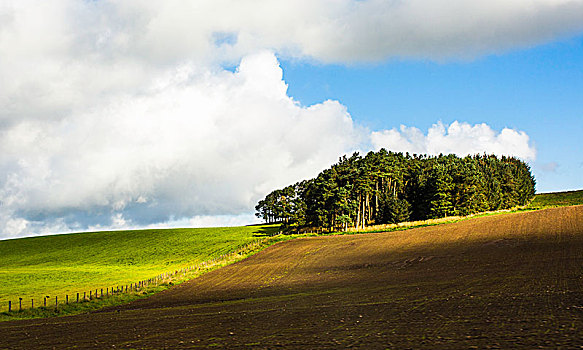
[266, 231]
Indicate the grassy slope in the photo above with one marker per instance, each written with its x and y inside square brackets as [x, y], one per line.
[557, 199]
[66, 264]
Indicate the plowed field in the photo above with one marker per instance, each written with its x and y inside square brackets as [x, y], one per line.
[501, 281]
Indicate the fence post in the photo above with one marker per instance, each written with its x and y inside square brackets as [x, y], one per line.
[84, 296]
[102, 292]
[45, 301]
[56, 302]
[19, 304]
[77, 297]
[9, 306]
[67, 299]
[90, 294]
[32, 303]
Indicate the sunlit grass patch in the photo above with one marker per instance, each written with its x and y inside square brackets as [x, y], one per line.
[64, 265]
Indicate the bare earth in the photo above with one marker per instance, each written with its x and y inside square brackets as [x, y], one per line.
[506, 281]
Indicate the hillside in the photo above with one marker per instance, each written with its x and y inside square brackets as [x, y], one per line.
[66, 264]
[502, 281]
[60, 265]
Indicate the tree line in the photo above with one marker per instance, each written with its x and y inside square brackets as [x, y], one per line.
[387, 187]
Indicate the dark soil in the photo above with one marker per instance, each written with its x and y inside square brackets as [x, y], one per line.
[504, 281]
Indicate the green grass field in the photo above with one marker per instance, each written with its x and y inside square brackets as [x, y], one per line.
[557, 199]
[62, 265]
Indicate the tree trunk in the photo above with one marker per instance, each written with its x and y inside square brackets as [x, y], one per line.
[358, 213]
[376, 197]
[367, 210]
[363, 214]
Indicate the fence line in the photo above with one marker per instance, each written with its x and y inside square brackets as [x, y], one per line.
[142, 285]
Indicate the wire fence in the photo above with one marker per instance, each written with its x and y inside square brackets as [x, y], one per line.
[165, 278]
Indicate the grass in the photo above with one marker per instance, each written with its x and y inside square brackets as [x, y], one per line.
[73, 308]
[59, 265]
[557, 199]
[422, 223]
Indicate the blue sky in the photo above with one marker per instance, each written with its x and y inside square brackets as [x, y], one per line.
[133, 114]
[538, 90]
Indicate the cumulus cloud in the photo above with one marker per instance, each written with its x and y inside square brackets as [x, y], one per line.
[197, 143]
[457, 138]
[62, 57]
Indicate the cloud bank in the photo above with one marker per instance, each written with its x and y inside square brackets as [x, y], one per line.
[458, 138]
[198, 143]
[121, 114]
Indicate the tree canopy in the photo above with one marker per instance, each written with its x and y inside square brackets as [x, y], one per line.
[386, 187]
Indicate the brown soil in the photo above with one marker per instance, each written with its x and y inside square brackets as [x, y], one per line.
[505, 281]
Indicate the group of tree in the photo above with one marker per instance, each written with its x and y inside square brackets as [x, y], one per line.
[386, 187]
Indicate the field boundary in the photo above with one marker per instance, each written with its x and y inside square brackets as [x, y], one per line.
[431, 222]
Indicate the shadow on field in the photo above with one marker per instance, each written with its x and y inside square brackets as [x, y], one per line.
[266, 231]
[505, 281]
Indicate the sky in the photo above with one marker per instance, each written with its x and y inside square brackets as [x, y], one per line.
[135, 114]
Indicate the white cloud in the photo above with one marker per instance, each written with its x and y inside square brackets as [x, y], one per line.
[197, 143]
[118, 222]
[223, 220]
[65, 57]
[457, 138]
